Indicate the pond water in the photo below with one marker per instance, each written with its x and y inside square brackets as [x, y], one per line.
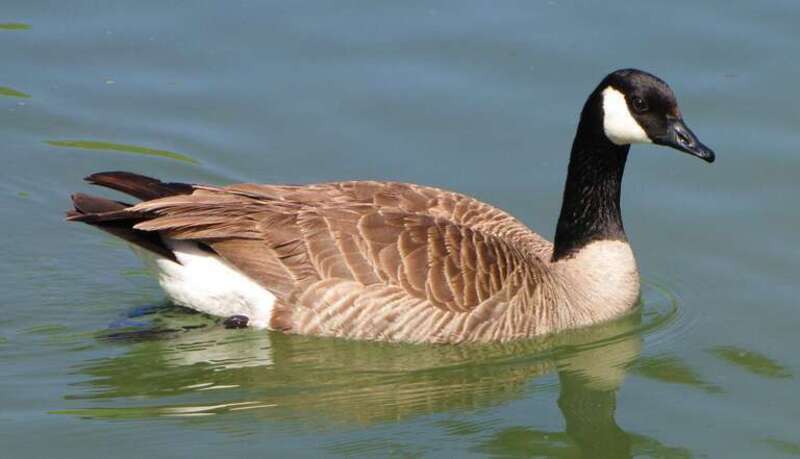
[480, 97]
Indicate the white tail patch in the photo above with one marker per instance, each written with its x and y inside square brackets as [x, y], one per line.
[206, 283]
[619, 125]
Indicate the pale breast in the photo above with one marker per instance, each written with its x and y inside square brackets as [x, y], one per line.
[600, 282]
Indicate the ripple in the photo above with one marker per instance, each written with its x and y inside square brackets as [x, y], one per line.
[121, 148]
[664, 320]
[14, 26]
[783, 446]
[10, 92]
[751, 361]
[671, 370]
[161, 411]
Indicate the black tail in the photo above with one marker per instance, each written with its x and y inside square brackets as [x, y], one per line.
[138, 186]
[110, 216]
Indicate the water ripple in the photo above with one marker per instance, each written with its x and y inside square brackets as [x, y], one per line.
[121, 148]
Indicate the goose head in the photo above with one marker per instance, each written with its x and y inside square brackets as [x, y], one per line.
[637, 107]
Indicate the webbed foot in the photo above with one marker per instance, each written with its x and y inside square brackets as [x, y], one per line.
[236, 322]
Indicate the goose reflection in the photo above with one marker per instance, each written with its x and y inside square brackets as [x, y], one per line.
[324, 382]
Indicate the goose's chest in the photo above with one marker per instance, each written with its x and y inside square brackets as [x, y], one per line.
[599, 282]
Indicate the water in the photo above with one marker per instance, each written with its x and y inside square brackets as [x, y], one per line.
[481, 97]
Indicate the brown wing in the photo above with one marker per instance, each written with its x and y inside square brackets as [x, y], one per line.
[394, 268]
[415, 199]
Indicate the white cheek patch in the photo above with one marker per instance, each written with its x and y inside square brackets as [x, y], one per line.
[619, 125]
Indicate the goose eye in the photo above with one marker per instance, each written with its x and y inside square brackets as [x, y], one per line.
[639, 104]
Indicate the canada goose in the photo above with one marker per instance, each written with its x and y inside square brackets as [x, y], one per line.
[403, 262]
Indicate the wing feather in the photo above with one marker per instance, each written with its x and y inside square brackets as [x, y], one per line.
[366, 259]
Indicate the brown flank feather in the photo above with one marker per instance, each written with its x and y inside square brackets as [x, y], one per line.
[367, 260]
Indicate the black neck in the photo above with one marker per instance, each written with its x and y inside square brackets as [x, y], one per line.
[591, 207]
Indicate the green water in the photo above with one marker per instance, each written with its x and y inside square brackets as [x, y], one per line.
[481, 97]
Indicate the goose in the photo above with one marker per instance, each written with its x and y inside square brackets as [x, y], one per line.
[400, 262]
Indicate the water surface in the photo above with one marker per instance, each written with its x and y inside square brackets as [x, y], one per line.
[481, 97]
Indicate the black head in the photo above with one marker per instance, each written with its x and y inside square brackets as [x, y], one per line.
[639, 107]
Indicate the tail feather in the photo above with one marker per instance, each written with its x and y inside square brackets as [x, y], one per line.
[87, 204]
[138, 186]
[112, 217]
